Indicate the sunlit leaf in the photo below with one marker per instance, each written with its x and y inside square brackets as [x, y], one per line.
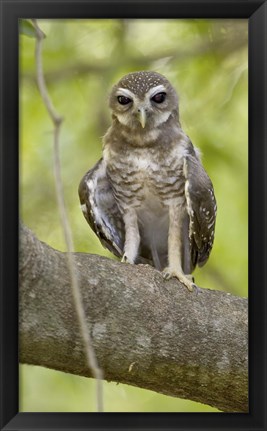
[26, 28]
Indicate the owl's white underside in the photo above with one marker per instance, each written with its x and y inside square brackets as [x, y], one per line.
[153, 175]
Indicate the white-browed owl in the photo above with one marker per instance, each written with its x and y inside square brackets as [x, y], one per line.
[149, 199]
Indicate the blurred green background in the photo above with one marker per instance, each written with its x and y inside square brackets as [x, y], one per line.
[207, 62]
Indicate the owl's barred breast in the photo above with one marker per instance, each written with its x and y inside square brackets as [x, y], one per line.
[146, 177]
[148, 180]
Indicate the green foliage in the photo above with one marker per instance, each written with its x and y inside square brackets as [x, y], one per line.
[206, 60]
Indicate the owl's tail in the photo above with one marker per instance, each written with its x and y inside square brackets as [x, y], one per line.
[155, 256]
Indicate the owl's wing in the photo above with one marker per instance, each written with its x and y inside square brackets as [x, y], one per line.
[100, 208]
[201, 209]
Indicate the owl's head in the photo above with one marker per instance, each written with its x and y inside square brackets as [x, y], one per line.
[143, 100]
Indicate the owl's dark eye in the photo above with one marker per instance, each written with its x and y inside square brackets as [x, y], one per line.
[124, 100]
[159, 97]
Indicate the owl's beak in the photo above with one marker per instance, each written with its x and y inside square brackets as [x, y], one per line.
[142, 117]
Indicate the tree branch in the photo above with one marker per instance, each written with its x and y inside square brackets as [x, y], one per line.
[146, 332]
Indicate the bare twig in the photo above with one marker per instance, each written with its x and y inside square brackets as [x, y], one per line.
[57, 120]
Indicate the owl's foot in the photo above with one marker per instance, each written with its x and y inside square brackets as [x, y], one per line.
[125, 259]
[186, 280]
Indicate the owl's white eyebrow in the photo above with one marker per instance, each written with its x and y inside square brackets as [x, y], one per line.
[124, 92]
[155, 90]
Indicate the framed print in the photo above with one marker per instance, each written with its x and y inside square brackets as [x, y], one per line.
[133, 195]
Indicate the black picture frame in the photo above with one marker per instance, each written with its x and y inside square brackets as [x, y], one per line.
[256, 13]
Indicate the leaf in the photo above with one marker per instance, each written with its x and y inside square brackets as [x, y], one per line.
[26, 28]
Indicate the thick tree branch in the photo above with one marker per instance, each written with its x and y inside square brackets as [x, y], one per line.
[146, 332]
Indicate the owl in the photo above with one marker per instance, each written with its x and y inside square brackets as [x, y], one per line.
[149, 199]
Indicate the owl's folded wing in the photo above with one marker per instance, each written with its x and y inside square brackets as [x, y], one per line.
[100, 208]
[201, 208]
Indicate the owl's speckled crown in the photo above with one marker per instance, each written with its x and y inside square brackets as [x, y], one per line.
[140, 82]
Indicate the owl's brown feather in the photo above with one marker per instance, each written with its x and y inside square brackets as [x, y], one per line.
[202, 210]
[100, 208]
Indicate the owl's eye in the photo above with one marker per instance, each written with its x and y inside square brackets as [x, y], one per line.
[159, 97]
[124, 100]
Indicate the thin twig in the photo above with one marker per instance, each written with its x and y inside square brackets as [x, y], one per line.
[57, 120]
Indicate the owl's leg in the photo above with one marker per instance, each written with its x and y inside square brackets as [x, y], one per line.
[132, 237]
[174, 268]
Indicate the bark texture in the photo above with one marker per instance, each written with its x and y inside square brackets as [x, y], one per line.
[146, 332]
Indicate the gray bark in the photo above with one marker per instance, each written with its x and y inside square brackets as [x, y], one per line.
[146, 332]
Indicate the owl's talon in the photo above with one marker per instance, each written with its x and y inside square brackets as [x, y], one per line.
[186, 280]
[166, 275]
[124, 259]
[197, 289]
